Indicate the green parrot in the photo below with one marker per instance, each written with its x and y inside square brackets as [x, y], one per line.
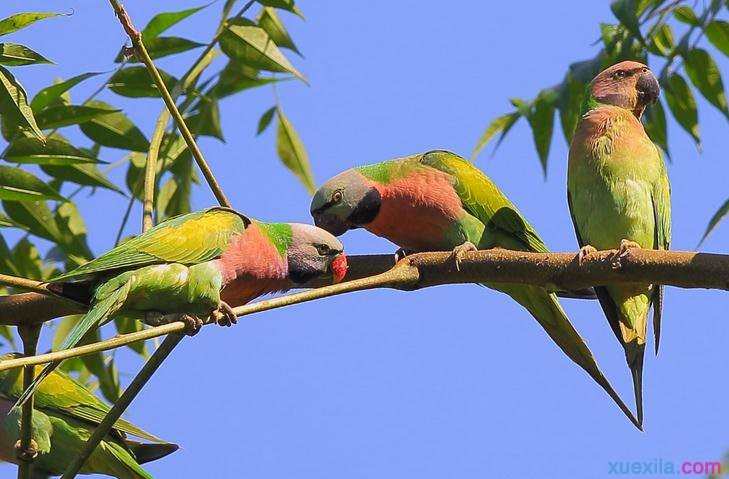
[439, 201]
[619, 197]
[195, 265]
[65, 415]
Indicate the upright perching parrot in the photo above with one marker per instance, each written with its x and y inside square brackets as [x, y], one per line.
[439, 201]
[619, 196]
[196, 264]
[65, 414]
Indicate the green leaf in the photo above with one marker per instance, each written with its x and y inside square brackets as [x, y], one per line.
[66, 115]
[288, 5]
[81, 174]
[126, 325]
[17, 184]
[654, 121]
[685, 14]
[73, 232]
[718, 216]
[14, 103]
[291, 151]
[53, 151]
[626, 12]
[33, 216]
[249, 44]
[265, 120]
[115, 130]
[682, 104]
[571, 96]
[706, 77]
[718, 34]
[52, 93]
[661, 41]
[159, 47]
[235, 78]
[27, 260]
[501, 124]
[271, 23]
[15, 22]
[541, 119]
[163, 21]
[206, 120]
[6, 262]
[14, 55]
[135, 82]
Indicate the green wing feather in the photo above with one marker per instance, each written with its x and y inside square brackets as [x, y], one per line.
[661, 198]
[187, 239]
[483, 199]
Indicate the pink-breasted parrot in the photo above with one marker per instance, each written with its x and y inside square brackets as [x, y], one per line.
[196, 265]
[65, 414]
[439, 201]
[619, 197]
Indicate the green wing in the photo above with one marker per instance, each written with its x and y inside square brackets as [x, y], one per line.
[188, 239]
[483, 199]
[661, 198]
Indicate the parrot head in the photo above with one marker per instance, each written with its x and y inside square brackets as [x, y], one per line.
[630, 85]
[314, 252]
[345, 202]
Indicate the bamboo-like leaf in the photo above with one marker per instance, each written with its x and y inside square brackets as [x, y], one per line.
[655, 125]
[249, 44]
[135, 82]
[571, 96]
[291, 151]
[65, 115]
[115, 130]
[706, 77]
[661, 41]
[17, 184]
[718, 216]
[206, 119]
[53, 151]
[160, 47]
[163, 21]
[81, 174]
[718, 34]
[235, 78]
[73, 231]
[685, 14]
[501, 125]
[681, 102]
[272, 24]
[626, 12]
[14, 55]
[15, 22]
[541, 120]
[288, 5]
[265, 120]
[27, 260]
[33, 216]
[14, 103]
[50, 94]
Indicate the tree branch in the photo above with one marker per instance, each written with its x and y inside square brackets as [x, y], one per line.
[550, 270]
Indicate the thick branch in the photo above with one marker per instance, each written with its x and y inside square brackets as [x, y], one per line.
[551, 270]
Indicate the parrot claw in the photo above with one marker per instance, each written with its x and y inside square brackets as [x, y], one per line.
[28, 454]
[192, 323]
[401, 253]
[461, 250]
[623, 251]
[585, 251]
[224, 315]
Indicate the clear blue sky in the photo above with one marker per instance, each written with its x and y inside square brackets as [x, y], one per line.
[455, 381]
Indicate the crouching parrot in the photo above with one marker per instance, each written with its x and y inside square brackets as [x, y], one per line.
[619, 196]
[439, 201]
[65, 415]
[197, 264]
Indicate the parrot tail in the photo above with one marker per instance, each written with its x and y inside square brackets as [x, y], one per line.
[547, 311]
[634, 354]
[95, 317]
[145, 452]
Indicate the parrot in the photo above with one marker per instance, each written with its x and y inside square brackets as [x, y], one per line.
[619, 196]
[440, 201]
[196, 264]
[65, 414]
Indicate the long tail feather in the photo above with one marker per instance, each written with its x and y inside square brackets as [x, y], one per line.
[546, 310]
[657, 312]
[145, 452]
[635, 353]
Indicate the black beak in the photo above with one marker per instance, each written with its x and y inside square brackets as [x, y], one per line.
[330, 223]
[648, 88]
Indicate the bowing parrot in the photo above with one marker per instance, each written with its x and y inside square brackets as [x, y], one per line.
[619, 197]
[439, 201]
[65, 414]
[195, 265]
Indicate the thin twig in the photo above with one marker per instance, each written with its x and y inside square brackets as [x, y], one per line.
[122, 403]
[26, 449]
[143, 55]
[24, 283]
[125, 219]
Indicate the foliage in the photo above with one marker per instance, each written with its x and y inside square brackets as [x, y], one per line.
[643, 31]
[44, 170]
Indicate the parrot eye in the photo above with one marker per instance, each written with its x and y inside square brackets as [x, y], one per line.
[337, 196]
[620, 74]
[323, 249]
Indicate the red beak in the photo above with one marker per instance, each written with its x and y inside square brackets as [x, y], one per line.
[339, 267]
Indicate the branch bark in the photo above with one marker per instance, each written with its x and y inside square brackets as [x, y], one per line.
[551, 270]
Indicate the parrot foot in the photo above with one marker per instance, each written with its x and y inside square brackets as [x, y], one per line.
[192, 323]
[28, 454]
[623, 252]
[585, 251]
[459, 251]
[401, 253]
[224, 315]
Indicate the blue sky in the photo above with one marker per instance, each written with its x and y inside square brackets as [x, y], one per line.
[453, 381]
